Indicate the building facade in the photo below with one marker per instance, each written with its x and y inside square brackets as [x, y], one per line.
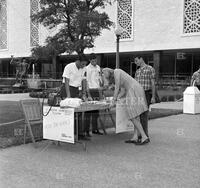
[165, 32]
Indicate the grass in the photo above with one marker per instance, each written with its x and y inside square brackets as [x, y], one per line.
[11, 111]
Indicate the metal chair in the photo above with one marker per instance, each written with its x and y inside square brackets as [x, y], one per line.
[33, 115]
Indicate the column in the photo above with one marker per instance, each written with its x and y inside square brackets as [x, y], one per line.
[156, 60]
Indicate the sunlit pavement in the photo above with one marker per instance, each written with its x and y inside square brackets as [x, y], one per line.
[171, 159]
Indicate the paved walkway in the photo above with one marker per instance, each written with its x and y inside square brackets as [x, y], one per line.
[170, 160]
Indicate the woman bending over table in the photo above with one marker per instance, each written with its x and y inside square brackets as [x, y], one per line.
[136, 104]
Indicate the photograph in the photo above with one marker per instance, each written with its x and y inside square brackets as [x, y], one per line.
[99, 93]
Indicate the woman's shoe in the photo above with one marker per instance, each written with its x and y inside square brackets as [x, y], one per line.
[131, 141]
[144, 142]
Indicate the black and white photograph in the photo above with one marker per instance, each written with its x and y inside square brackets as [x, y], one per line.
[99, 93]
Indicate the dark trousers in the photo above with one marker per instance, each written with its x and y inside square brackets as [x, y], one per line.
[144, 117]
[92, 115]
[74, 92]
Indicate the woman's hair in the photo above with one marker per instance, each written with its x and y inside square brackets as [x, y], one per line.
[111, 78]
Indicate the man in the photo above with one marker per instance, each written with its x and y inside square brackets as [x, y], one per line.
[94, 83]
[73, 76]
[21, 68]
[196, 78]
[145, 75]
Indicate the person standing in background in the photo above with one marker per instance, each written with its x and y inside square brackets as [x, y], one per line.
[73, 77]
[145, 75]
[94, 81]
[196, 78]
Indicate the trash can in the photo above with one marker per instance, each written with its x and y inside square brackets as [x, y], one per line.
[191, 100]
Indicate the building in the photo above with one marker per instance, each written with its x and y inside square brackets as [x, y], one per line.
[165, 32]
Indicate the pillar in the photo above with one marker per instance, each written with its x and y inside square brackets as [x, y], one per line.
[156, 60]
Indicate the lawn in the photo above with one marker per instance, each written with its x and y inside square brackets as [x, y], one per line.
[11, 112]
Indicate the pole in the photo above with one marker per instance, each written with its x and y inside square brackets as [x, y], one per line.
[117, 51]
[131, 69]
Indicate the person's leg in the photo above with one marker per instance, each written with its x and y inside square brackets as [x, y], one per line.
[144, 117]
[95, 114]
[94, 120]
[88, 116]
[144, 121]
[17, 76]
[138, 126]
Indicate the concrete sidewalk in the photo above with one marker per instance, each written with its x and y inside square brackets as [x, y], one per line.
[170, 160]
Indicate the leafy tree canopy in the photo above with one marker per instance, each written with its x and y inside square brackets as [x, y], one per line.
[79, 23]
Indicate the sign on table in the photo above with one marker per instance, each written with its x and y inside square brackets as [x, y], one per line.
[59, 124]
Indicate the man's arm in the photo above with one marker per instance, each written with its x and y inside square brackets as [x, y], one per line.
[67, 87]
[153, 88]
[12, 61]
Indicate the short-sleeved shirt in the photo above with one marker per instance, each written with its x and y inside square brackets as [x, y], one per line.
[196, 77]
[144, 75]
[93, 76]
[74, 74]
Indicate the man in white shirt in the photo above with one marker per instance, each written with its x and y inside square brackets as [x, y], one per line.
[94, 83]
[73, 77]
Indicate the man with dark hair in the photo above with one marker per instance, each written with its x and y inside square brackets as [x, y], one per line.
[94, 83]
[73, 77]
[145, 75]
[196, 78]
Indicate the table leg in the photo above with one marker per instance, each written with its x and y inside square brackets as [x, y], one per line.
[82, 119]
[113, 121]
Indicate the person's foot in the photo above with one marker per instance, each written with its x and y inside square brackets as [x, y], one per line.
[82, 137]
[97, 132]
[131, 141]
[146, 141]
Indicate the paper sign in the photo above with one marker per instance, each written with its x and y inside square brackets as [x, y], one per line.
[122, 122]
[59, 124]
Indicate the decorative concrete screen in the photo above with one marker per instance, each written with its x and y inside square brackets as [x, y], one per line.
[191, 16]
[34, 5]
[3, 24]
[125, 18]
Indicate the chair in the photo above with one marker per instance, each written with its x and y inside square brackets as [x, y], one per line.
[33, 115]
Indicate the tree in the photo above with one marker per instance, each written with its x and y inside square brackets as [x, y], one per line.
[79, 23]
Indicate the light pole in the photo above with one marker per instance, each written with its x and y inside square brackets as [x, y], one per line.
[118, 32]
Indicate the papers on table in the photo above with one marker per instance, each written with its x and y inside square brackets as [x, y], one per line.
[71, 102]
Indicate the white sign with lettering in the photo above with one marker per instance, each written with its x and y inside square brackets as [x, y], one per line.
[122, 122]
[59, 124]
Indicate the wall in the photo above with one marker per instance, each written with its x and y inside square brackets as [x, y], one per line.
[158, 26]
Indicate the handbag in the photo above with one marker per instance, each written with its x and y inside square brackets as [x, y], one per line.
[53, 99]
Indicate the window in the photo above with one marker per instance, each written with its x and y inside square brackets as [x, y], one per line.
[191, 16]
[34, 40]
[3, 24]
[125, 18]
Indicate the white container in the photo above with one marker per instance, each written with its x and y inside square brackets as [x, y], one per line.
[191, 100]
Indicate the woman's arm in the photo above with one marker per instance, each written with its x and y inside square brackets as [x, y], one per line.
[121, 93]
[117, 85]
